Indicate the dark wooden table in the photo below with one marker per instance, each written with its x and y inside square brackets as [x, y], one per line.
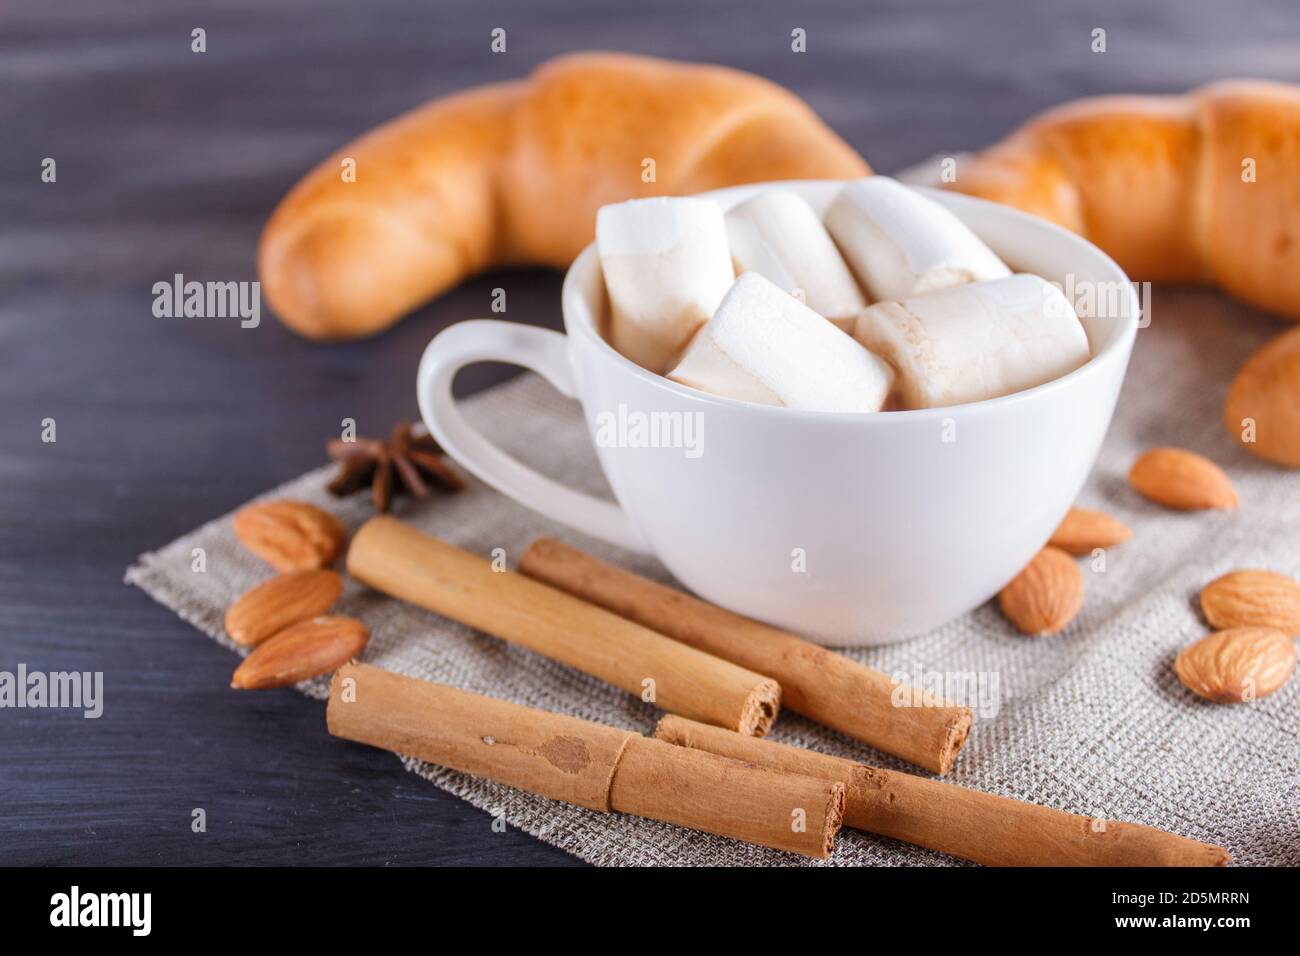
[169, 161]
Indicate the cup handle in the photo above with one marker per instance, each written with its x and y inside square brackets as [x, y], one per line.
[544, 352]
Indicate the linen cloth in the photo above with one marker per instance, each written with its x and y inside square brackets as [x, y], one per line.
[1092, 720]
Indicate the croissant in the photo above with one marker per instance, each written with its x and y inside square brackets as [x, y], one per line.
[1202, 188]
[1197, 188]
[514, 173]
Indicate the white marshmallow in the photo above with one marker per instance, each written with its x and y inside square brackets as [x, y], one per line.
[975, 341]
[666, 266]
[900, 243]
[777, 235]
[764, 346]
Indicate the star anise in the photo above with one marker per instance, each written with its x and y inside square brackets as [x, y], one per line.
[407, 463]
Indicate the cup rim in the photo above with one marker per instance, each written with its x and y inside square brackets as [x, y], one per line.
[1116, 350]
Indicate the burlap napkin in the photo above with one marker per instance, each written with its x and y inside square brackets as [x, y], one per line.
[1092, 721]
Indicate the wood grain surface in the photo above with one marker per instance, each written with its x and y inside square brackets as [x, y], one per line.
[169, 161]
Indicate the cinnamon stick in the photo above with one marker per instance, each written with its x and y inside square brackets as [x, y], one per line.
[988, 829]
[594, 766]
[407, 564]
[816, 682]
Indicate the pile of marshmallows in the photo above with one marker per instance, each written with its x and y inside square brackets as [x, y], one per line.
[948, 323]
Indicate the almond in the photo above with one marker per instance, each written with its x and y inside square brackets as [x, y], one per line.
[1253, 599]
[1244, 663]
[1177, 478]
[303, 650]
[1084, 530]
[1263, 407]
[281, 601]
[291, 535]
[1046, 595]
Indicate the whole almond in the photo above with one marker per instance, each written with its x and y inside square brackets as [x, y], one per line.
[1046, 595]
[1253, 599]
[1263, 407]
[1177, 478]
[303, 650]
[291, 535]
[1083, 530]
[1244, 663]
[281, 601]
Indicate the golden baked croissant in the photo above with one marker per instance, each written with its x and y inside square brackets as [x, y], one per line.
[1197, 188]
[514, 173]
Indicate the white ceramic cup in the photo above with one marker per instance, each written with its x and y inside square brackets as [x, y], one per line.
[851, 529]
